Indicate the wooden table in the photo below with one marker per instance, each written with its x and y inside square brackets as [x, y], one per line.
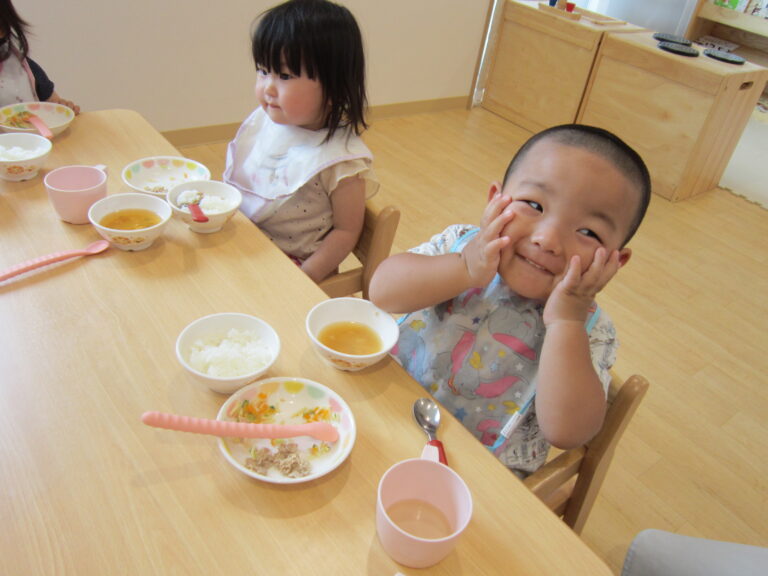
[88, 346]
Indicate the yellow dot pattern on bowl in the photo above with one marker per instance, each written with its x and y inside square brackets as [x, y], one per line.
[293, 387]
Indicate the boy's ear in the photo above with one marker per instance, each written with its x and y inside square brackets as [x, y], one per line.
[624, 256]
[495, 189]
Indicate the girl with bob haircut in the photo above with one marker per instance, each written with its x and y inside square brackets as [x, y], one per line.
[298, 159]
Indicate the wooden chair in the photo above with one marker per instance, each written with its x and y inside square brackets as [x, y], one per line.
[569, 483]
[373, 247]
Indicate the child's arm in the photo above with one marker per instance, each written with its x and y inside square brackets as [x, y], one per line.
[570, 401]
[348, 204]
[407, 282]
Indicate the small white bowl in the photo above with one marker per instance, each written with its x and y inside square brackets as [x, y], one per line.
[213, 191]
[56, 116]
[351, 310]
[130, 240]
[212, 330]
[29, 152]
[157, 174]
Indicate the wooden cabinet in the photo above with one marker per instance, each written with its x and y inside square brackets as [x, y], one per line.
[541, 64]
[683, 115]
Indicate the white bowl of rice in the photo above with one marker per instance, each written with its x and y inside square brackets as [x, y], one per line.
[22, 156]
[218, 200]
[227, 351]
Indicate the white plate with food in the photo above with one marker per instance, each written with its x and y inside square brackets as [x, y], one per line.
[158, 174]
[287, 401]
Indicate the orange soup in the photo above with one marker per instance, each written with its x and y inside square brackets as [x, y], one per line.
[350, 338]
[130, 219]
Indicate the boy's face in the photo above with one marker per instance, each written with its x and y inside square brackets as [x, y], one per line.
[289, 99]
[567, 201]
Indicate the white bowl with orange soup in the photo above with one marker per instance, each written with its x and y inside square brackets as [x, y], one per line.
[351, 333]
[130, 221]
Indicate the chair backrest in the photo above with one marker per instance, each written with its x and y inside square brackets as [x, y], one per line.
[570, 482]
[372, 248]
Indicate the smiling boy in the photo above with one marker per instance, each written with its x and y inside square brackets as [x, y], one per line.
[505, 312]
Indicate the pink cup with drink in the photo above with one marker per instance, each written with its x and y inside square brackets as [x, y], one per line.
[74, 189]
[421, 511]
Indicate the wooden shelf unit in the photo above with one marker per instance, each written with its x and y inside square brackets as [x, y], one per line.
[749, 32]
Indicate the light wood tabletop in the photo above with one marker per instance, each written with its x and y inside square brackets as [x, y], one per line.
[88, 346]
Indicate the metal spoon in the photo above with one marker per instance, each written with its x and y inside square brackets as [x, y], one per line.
[427, 415]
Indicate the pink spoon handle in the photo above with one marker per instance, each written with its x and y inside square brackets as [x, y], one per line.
[35, 263]
[41, 126]
[319, 430]
[440, 451]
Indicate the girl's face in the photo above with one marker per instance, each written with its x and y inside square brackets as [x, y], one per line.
[291, 100]
[567, 201]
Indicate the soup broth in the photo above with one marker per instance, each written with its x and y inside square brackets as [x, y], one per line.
[130, 219]
[350, 338]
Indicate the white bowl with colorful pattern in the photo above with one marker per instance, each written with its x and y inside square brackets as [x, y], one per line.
[56, 116]
[22, 156]
[351, 311]
[287, 400]
[156, 175]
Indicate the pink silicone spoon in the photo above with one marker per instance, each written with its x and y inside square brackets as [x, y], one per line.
[319, 430]
[41, 126]
[95, 248]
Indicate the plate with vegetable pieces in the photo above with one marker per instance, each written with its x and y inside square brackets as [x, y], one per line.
[158, 174]
[286, 400]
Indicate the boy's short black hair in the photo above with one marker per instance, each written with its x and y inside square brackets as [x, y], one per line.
[604, 144]
[325, 39]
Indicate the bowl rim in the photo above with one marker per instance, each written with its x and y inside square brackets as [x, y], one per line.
[358, 357]
[69, 116]
[172, 194]
[48, 144]
[227, 379]
[252, 474]
[164, 219]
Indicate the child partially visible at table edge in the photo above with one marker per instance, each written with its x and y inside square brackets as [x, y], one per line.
[21, 78]
[298, 159]
[501, 322]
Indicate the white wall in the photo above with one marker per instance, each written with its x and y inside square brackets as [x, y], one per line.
[186, 63]
[669, 16]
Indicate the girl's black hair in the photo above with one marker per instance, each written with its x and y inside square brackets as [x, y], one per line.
[605, 144]
[14, 30]
[324, 39]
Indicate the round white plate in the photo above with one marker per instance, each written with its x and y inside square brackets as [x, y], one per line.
[158, 174]
[289, 398]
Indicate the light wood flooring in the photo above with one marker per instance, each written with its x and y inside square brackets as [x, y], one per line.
[691, 309]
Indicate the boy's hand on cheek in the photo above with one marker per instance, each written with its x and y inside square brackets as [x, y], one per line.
[482, 254]
[574, 294]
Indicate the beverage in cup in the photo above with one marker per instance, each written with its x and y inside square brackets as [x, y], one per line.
[421, 510]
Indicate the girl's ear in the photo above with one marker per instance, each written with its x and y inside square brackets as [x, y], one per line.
[495, 189]
[624, 256]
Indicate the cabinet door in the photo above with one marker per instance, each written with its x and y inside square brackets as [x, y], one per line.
[540, 68]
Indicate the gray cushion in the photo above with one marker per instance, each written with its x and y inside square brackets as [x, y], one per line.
[659, 553]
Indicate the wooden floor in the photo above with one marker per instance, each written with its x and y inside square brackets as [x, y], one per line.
[691, 309]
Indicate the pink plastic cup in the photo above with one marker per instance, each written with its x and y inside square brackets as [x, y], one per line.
[415, 491]
[73, 189]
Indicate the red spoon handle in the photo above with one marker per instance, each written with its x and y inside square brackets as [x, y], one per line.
[440, 451]
[197, 213]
